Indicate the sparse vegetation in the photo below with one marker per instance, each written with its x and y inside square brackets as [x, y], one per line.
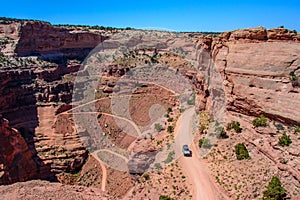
[170, 119]
[157, 166]
[192, 100]
[234, 125]
[163, 197]
[205, 143]
[158, 127]
[274, 190]
[260, 121]
[170, 129]
[76, 175]
[223, 133]
[284, 140]
[170, 157]
[295, 79]
[293, 76]
[169, 110]
[200, 142]
[182, 109]
[297, 129]
[146, 177]
[202, 128]
[241, 152]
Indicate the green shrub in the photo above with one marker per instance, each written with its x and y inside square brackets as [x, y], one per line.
[223, 134]
[293, 76]
[241, 152]
[163, 197]
[157, 166]
[182, 109]
[169, 110]
[192, 100]
[284, 140]
[205, 143]
[170, 119]
[200, 142]
[146, 177]
[170, 129]
[297, 129]
[202, 128]
[260, 121]
[234, 125]
[158, 127]
[170, 157]
[274, 190]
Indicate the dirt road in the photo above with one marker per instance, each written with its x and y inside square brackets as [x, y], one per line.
[195, 169]
[104, 172]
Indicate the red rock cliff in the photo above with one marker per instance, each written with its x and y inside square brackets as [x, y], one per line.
[256, 65]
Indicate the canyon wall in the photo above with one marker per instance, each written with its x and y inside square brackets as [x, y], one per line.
[257, 67]
[42, 39]
[18, 162]
[32, 90]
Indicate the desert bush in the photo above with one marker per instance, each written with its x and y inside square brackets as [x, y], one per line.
[234, 125]
[260, 121]
[158, 127]
[182, 109]
[200, 142]
[170, 119]
[202, 128]
[157, 166]
[293, 76]
[170, 129]
[169, 110]
[241, 152]
[297, 129]
[205, 143]
[223, 134]
[284, 140]
[163, 197]
[170, 157]
[192, 100]
[146, 177]
[274, 190]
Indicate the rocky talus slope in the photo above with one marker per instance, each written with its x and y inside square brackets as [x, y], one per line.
[44, 190]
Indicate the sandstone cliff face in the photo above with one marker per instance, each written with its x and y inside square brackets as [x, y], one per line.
[30, 88]
[17, 161]
[40, 38]
[256, 65]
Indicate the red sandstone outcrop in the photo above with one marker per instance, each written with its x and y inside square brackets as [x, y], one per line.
[17, 161]
[256, 66]
[261, 34]
[42, 38]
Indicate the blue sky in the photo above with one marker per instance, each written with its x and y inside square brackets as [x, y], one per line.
[201, 15]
